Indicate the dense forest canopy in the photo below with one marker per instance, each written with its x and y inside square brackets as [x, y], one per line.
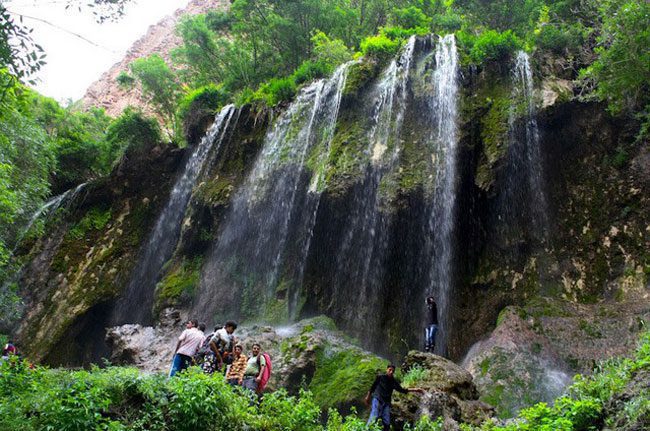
[261, 51]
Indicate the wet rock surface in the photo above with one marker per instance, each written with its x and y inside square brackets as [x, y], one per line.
[450, 393]
[310, 353]
[535, 350]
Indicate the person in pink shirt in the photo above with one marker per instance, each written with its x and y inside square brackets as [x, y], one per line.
[188, 343]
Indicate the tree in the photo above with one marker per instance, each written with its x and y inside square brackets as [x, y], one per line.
[622, 71]
[158, 84]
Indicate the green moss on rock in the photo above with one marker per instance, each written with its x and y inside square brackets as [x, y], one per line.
[343, 377]
[360, 74]
[179, 283]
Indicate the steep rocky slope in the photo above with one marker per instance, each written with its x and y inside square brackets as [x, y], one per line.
[159, 39]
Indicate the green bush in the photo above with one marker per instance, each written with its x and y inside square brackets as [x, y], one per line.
[310, 70]
[400, 33]
[95, 219]
[558, 38]
[277, 90]
[125, 81]
[493, 46]
[133, 132]
[380, 47]
[203, 100]
[447, 23]
[411, 17]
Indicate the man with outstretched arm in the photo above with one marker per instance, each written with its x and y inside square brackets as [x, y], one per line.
[381, 392]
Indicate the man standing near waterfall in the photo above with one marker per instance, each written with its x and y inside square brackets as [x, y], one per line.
[432, 325]
[381, 392]
[188, 343]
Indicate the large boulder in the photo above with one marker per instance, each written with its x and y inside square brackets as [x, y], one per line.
[450, 393]
[311, 353]
[535, 350]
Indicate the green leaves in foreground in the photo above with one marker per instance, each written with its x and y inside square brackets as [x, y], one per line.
[117, 398]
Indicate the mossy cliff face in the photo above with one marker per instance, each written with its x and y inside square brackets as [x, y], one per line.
[597, 190]
[80, 267]
[594, 178]
[227, 167]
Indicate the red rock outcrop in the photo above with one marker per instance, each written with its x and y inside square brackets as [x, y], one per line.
[161, 39]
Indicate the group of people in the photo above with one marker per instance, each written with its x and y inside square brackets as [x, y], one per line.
[221, 351]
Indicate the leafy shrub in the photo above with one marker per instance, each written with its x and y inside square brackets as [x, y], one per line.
[413, 376]
[449, 22]
[380, 47]
[494, 46]
[133, 132]
[205, 100]
[329, 52]
[558, 38]
[277, 90]
[95, 219]
[401, 33]
[411, 17]
[124, 80]
[310, 70]
[198, 106]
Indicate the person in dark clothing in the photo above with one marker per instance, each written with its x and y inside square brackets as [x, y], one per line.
[381, 392]
[432, 325]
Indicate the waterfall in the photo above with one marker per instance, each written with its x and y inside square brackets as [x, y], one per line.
[277, 201]
[136, 303]
[522, 205]
[360, 257]
[523, 92]
[444, 106]
[48, 208]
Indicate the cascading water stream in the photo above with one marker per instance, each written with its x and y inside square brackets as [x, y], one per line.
[522, 205]
[363, 246]
[136, 303]
[47, 208]
[316, 186]
[444, 106]
[523, 91]
[274, 203]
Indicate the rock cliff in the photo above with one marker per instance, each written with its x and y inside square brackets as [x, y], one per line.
[159, 39]
[347, 227]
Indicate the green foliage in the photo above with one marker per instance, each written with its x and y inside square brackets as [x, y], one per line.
[123, 399]
[125, 81]
[380, 47]
[330, 52]
[413, 376]
[132, 132]
[158, 84]
[343, 376]
[494, 46]
[20, 56]
[518, 16]
[95, 219]
[78, 139]
[201, 102]
[277, 90]
[180, 282]
[622, 71]
[426, 424]
[583, 409]
[410, 17]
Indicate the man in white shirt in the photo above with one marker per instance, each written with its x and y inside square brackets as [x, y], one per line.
[188, 343]
[223, 342]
